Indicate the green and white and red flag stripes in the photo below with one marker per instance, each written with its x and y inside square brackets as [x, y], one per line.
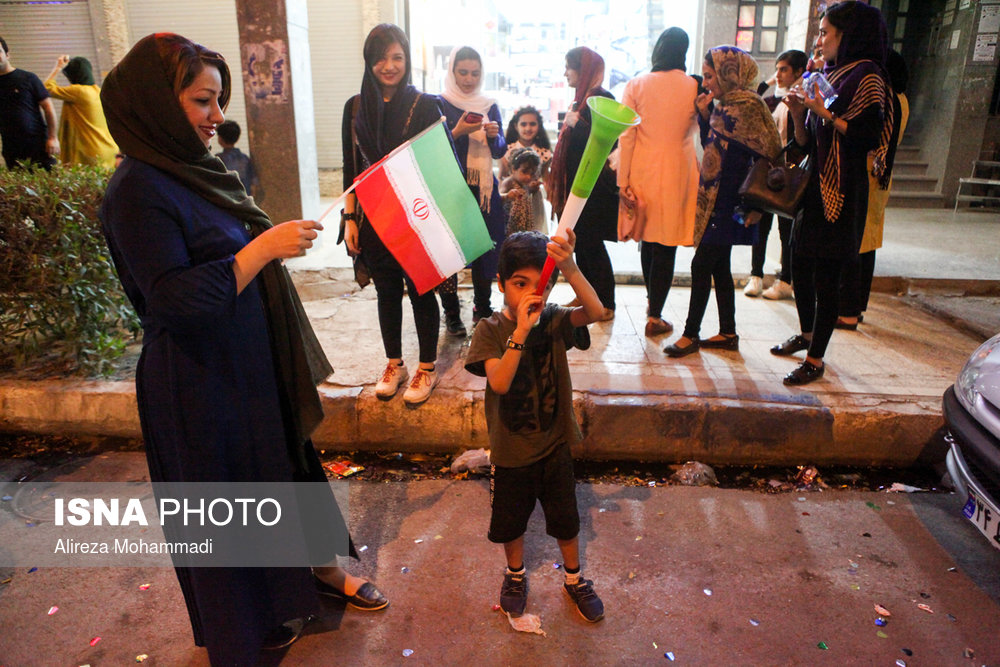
[421, 207]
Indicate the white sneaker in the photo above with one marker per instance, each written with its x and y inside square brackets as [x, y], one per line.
[393, 376]
[754, 286]
[779, 290]
[420, 387]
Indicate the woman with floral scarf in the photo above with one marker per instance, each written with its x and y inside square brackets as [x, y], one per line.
[827, 233]
[734, 134]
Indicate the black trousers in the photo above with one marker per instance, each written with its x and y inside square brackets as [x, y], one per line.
[817, 294]
[856, 284]
[595, 265]
[711, 262]
[390, 280]
[658, 273]
[760, 248]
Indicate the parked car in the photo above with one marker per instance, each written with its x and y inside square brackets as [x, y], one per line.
[972, 414]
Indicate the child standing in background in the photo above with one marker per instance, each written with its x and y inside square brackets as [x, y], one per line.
[522, 194]
[236, 160]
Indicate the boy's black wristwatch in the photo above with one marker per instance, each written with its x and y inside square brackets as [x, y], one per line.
[511, 345]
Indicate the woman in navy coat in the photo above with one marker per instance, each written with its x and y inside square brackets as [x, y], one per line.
[226, 383]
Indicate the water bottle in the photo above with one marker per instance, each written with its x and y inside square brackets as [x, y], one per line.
[813, 81]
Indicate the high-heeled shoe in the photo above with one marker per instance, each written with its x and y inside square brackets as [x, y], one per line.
[724, 343]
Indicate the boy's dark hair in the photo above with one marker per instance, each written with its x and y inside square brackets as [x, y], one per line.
[229, 131]
[3, 43]
[796, 59]
[522, 250]
[520, 157]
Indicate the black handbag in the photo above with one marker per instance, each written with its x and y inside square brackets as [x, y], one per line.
[776, 188]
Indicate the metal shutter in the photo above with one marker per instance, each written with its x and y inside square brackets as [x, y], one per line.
[208, 22]
[37, 34]
[335, 39]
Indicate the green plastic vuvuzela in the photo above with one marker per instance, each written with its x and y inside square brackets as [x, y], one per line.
[608, 120]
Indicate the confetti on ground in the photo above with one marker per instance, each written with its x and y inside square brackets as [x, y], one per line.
[141, 657]
[638, 537]
[655, 646]
[93, 642]
[404, 569]
[822, 646]
[855, 587]
[496, 607]
[53, 610]
[907, 651]
[969, 653]
[417, 541]
[754, 622]
[952, 618]
[926, 596]
[407, 652]
[881, 635]
[669, 655]
[6, 498]
[34, 569]
[6, 581]
[880, 622]
[707, 591]
[925, 607]
[556, 566]
[882, 611]
[873, 506]
[363, 548]
[900, 663]
[144, 587]
[438, 537]
[953, 569]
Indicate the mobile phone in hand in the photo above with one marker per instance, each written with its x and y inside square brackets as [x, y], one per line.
[473, 117]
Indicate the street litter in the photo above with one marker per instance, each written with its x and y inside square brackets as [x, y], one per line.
[708, 592]
[806, 476]
[343, 468]
[881, 635]
[407, 652]
[969, 653]
[900, 662]
[952, 618]
[693, 473]
[144, 587]
[903, 488]
[417, 541]
[669, 655]
[527, 623]
[882, 611]
[873, 506]
[53, 610]
[363, 548]
[907, 651]
[473, 460]
[754, 622]
[822, 646]
[881, 622]
[6, 498]
[926, 608]
[142, 657]
[404, 569]
[93, 642]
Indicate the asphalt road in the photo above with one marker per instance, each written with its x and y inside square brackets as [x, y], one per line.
[714, 577]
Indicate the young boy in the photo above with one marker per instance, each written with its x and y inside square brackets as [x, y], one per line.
[788, 69]
[522, 197]
[235, 159]
[521, 351]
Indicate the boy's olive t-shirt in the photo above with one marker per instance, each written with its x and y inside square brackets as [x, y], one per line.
[536, 414]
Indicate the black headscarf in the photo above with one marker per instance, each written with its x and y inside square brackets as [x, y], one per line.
[148, 124]
[379, 125]
[79, 71]
[864, 35]
[670, 50]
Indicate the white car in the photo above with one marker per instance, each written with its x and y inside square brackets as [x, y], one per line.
[972, 414]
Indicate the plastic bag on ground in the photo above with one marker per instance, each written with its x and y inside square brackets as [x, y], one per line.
[473, 460]
[527, 623]
[694, 473]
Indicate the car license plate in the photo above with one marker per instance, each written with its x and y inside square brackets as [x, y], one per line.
[985, 517]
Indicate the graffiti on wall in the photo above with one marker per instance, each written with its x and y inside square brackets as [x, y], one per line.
[265, 72]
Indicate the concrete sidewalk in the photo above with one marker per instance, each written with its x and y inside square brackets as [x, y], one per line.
[879, 402]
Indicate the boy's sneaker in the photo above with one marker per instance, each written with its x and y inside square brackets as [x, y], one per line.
[420, 387]
[779, 290]
[514, 593]
[754, 286]
[587, 602]
[392, 377]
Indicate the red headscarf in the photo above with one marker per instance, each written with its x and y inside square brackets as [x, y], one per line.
[591, 74]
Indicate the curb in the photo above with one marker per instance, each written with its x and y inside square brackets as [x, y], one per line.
[733, 430]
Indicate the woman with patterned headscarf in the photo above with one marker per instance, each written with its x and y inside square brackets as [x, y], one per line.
[83, 130]
[736, 129]
[599, 220]
[827, 233]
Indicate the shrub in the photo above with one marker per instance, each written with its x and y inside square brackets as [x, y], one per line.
[59, 293]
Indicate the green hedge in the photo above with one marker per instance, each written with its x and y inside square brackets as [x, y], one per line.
[60, 298]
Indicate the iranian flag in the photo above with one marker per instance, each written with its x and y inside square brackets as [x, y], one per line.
[421, 207]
